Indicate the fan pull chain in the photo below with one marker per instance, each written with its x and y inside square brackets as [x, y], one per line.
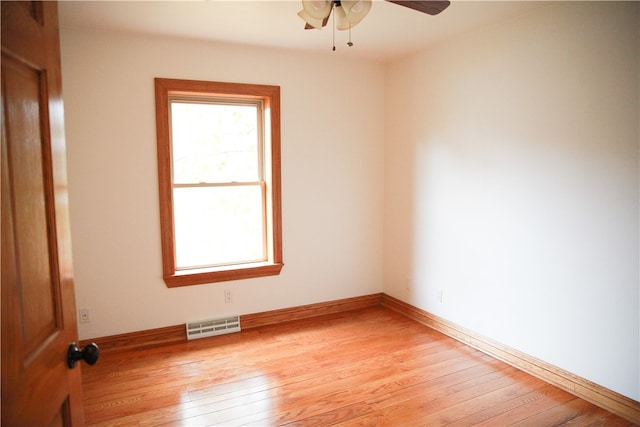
[333, 19]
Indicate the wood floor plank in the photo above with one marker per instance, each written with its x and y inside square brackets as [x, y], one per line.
[559, 414]
[509, 408]
[543, 399]
[370, 366]
[598, 418]
[452, 414]
[334, 417]
[426, 406]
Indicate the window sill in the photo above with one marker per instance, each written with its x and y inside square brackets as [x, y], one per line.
[222, 274]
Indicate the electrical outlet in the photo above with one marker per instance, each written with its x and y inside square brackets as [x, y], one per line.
[83, 315]
[227, 296]
[441, 296]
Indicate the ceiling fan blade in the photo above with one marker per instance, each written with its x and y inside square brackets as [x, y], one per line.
[433, 7]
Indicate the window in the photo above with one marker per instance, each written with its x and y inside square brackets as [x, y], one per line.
[219, 180]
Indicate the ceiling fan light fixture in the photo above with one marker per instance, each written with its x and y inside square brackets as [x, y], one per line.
[317, 9]
[348, 13]
[356, 10]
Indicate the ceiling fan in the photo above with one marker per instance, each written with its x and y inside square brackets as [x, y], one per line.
[348, 13]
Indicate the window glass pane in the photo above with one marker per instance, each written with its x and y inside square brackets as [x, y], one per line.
[218, 225]
[214, 143]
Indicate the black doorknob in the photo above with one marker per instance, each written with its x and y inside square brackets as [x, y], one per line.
[89, 354]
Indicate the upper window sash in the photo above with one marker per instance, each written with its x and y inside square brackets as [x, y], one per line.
[255, 106]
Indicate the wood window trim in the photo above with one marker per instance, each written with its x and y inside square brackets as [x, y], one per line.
[270, 96]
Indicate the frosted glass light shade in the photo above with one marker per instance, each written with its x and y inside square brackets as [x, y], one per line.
[317, 9]
[314, 22]
[342, 23]
[356, 10]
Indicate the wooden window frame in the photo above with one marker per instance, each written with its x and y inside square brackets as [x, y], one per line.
[270, 97]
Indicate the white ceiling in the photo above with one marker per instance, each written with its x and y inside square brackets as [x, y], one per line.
[387, 33]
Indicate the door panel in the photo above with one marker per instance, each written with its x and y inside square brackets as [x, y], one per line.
[38, 306]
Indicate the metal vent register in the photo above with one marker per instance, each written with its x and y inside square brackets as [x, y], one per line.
[209, 328]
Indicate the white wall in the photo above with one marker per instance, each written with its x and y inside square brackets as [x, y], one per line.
[511, 184]
[332, 175]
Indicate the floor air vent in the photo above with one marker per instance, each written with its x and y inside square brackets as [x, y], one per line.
[209, 328]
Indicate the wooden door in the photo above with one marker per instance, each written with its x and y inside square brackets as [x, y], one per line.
[38, 307]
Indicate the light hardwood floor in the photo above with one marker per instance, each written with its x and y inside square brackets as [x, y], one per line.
[366, 367]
